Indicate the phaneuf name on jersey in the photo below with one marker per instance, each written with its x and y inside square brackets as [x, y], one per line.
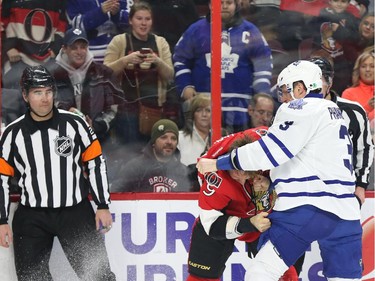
[298, 104]
[335, 113]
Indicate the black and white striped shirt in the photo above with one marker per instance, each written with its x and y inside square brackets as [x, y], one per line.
[359, 131]
[56, 163]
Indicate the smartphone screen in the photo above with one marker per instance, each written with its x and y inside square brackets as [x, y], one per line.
[145, 51]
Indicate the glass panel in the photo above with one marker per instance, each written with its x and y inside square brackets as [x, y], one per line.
[163, 69]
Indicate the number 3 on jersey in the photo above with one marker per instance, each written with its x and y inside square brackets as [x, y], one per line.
[345, 135]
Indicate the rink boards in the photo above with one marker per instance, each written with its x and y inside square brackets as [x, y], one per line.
[150, 237]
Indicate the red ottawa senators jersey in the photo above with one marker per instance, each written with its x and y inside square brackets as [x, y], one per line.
[221, 193]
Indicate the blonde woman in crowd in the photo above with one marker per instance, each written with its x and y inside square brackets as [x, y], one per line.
[362, 89]
[194, 137]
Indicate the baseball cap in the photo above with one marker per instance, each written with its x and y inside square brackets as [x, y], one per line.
[161, 127]
[73, 35]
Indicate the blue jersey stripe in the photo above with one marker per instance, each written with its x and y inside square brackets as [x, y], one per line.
[316, 194]
[268, 153]
[349, 183]
[304, 179]
[281, 145]
[313, 178]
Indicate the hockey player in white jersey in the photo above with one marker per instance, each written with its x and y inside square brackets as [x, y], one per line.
[309, 154]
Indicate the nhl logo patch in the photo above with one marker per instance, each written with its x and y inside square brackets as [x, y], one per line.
[63, 146]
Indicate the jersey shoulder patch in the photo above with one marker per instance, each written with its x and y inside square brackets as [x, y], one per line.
[297, 104]
[213, 182]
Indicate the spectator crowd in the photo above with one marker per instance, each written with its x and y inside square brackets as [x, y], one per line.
[126, 65]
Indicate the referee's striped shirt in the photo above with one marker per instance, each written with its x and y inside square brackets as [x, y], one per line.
[56, 163]
[359, 131]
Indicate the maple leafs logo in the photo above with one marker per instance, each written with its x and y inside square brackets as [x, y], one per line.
[297, 104]
[229, 61]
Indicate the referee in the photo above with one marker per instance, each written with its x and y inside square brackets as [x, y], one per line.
[56, 159]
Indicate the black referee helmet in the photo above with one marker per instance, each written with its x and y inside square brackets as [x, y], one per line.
[36, 77]
[326, 67]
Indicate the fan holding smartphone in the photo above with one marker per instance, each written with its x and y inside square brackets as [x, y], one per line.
[143, 60]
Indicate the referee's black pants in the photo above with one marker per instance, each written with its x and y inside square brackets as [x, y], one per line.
[34, 230]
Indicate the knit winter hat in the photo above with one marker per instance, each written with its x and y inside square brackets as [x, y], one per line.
[161, 127]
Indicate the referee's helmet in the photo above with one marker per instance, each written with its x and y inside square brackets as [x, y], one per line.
[326, 67]
[300, 71]
[37, 77]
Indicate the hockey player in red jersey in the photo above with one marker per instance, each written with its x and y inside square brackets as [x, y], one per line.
[232, 206]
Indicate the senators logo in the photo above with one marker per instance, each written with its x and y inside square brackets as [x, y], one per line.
[213, 182]
[41, 18]
[261, 132]
[63, 146]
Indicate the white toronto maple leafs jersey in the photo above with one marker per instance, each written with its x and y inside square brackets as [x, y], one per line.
[308, 151]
